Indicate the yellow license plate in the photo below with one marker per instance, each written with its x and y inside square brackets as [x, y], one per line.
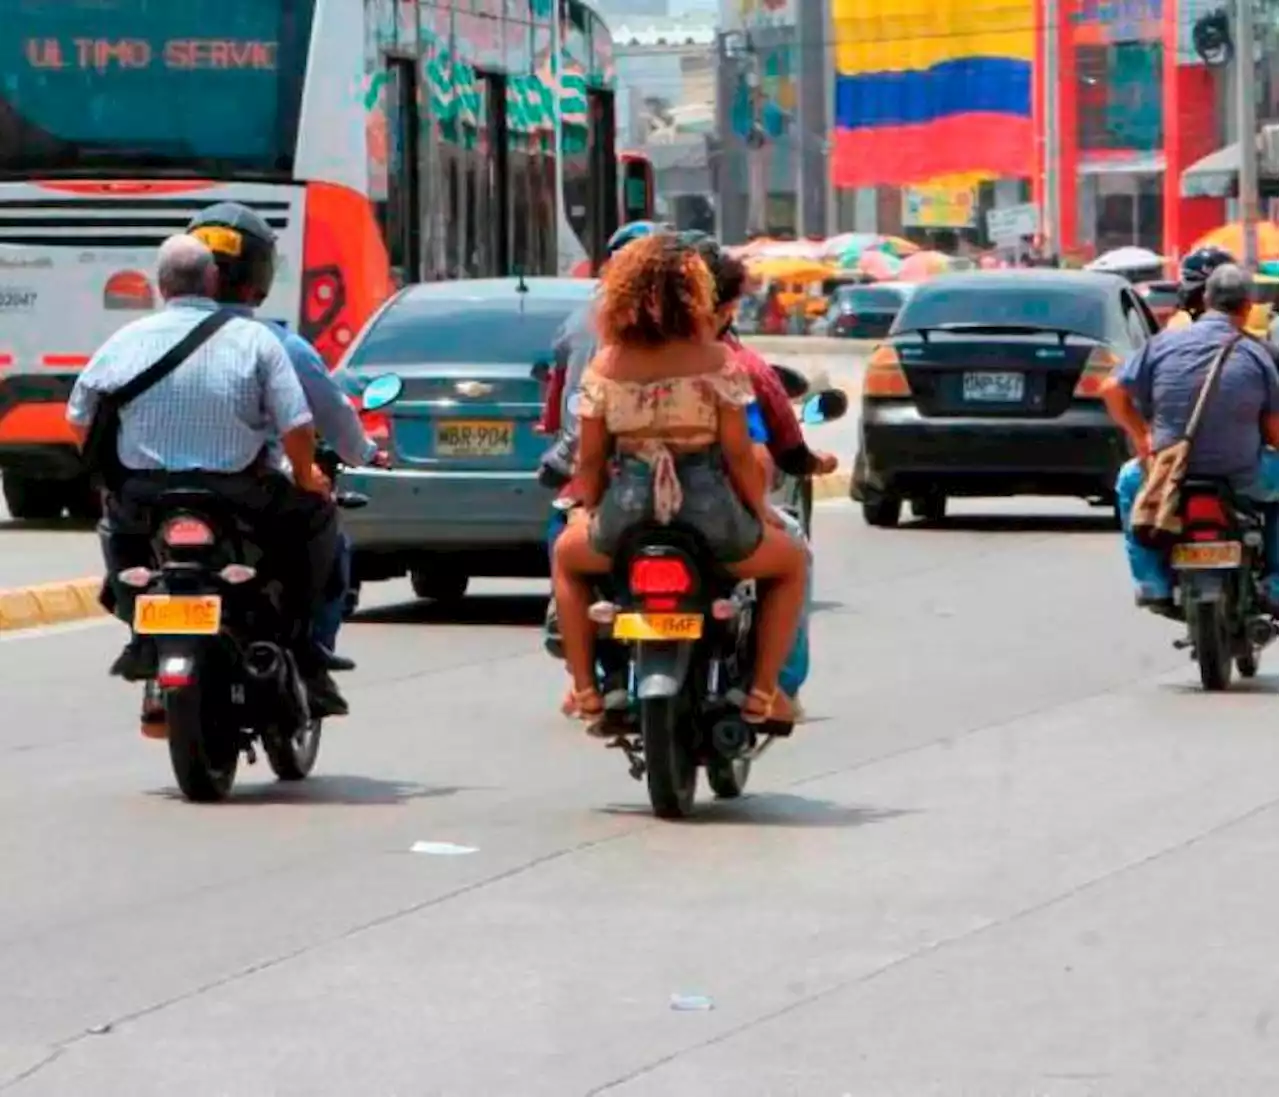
[177, 615]
[657, 626]
[1207, 554]
[475, 438]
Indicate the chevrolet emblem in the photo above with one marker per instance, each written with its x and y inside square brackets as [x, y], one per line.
[472, 388]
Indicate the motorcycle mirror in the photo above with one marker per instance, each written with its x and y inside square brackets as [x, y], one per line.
[824, 407]
[381, 392]
[793, 381]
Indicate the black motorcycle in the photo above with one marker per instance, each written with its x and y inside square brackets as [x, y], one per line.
[226, 677]
[1219, 565]
[675, 652]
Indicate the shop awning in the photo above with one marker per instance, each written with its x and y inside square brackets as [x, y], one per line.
[1213, 176]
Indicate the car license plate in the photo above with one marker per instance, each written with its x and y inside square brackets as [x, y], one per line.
[657, 626]
[993, 388]
[1207, 554]
[177, 615]
[475, 438]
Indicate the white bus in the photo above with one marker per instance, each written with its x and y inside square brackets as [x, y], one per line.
[385, 141]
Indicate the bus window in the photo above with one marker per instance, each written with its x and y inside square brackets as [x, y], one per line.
[637, 187]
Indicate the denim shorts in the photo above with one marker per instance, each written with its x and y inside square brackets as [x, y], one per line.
[711, 506]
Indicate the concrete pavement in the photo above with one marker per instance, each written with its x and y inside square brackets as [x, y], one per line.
[1015, 852]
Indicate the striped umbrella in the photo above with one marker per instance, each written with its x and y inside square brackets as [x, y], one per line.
[879, 265]
[923, 265]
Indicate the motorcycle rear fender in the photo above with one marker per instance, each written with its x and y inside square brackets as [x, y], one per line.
[661, 669]
[1204, 585]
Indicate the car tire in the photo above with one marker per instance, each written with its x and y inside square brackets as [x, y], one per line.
[883, 511]
[930, 508]
[33, 500]
[439, 585]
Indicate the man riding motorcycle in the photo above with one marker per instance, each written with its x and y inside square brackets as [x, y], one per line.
[1192, 276]
[1151, 396]
[337, 422]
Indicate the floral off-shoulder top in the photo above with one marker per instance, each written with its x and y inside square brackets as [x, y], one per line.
[653, 415]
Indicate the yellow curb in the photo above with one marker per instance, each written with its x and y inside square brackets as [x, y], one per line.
[835, 485]
[49, 604]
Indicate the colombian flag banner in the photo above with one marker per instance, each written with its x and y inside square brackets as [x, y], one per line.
[932, 87]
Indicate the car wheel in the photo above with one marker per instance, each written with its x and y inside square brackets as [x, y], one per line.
[440, 585]
[930, 508]
[883, 511]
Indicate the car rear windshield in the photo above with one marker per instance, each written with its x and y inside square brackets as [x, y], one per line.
[1059, 308]
[422, 331]
[871, 297]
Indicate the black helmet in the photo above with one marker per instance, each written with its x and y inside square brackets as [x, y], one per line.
[1194, 273]
[244, 247]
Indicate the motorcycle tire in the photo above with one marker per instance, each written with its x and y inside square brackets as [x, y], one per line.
[204, 756]
[728, 776]
[1212, 644]
[671, 770]
[292, 757]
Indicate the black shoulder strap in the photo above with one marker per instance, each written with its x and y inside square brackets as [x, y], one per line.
[171, 359]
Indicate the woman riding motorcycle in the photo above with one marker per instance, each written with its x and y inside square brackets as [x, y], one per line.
[669, 401]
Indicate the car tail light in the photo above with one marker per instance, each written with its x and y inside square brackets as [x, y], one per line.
[660, 580]
[1097, 368]
[1204, 517]
[187, 533]
[377, 425]
[884, 378]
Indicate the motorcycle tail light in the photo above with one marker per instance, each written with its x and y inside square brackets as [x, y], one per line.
[660, 575]
[236, 574]
[1204, 517]
[602, 613]
[135, 577]
[187, 533]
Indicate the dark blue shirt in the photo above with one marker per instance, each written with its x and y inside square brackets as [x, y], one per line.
[1164, 380]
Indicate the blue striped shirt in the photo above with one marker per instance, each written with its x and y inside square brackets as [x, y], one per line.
[217, 411]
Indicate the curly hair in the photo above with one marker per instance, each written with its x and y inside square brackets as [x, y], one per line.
[656, 290]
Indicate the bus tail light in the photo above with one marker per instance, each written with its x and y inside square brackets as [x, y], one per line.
[1097, 368]
[884, 378]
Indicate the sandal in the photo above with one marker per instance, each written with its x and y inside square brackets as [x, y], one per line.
[763, 705]
[584, 704]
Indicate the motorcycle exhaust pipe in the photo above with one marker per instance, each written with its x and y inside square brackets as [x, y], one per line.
[730, 736]
[1262, 630]
[264, 663]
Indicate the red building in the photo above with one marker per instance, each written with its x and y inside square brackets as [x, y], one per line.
[1136, 108]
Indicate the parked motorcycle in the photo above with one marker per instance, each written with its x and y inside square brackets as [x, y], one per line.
[1219, 565]
[226, 678]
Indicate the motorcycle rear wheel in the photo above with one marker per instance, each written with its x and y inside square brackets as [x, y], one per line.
[1212, 644]
[671, 771]
[292, 757]
[204, 756]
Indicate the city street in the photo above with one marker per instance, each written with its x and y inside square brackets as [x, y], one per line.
[1015, 851]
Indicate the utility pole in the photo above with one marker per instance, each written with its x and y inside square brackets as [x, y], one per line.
[1050, 220]
[1247, 132]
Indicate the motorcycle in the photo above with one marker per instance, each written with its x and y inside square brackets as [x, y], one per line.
[1218, 565]
[226, 678]
[675, 649]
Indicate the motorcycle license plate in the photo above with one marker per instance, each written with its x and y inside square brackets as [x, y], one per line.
[177, 615]
[1207, 554]
[657, 626]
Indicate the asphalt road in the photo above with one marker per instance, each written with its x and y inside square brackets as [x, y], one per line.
[1015, 852]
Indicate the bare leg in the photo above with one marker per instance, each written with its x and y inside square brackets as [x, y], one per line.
[781, 562]
[572, 559]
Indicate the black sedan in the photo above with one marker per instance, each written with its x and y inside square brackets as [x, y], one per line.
[988, 384]
[866, 312]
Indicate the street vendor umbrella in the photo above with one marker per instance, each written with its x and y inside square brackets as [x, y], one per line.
[1127, 260]
[879, 265]
[848, 246]
[923, 265]
[788, 270]
[897, 246]
[1230, 238]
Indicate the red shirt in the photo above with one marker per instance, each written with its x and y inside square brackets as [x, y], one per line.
[775, 406]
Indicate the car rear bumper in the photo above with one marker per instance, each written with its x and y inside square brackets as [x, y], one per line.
[1077, 453]
[424, 511]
